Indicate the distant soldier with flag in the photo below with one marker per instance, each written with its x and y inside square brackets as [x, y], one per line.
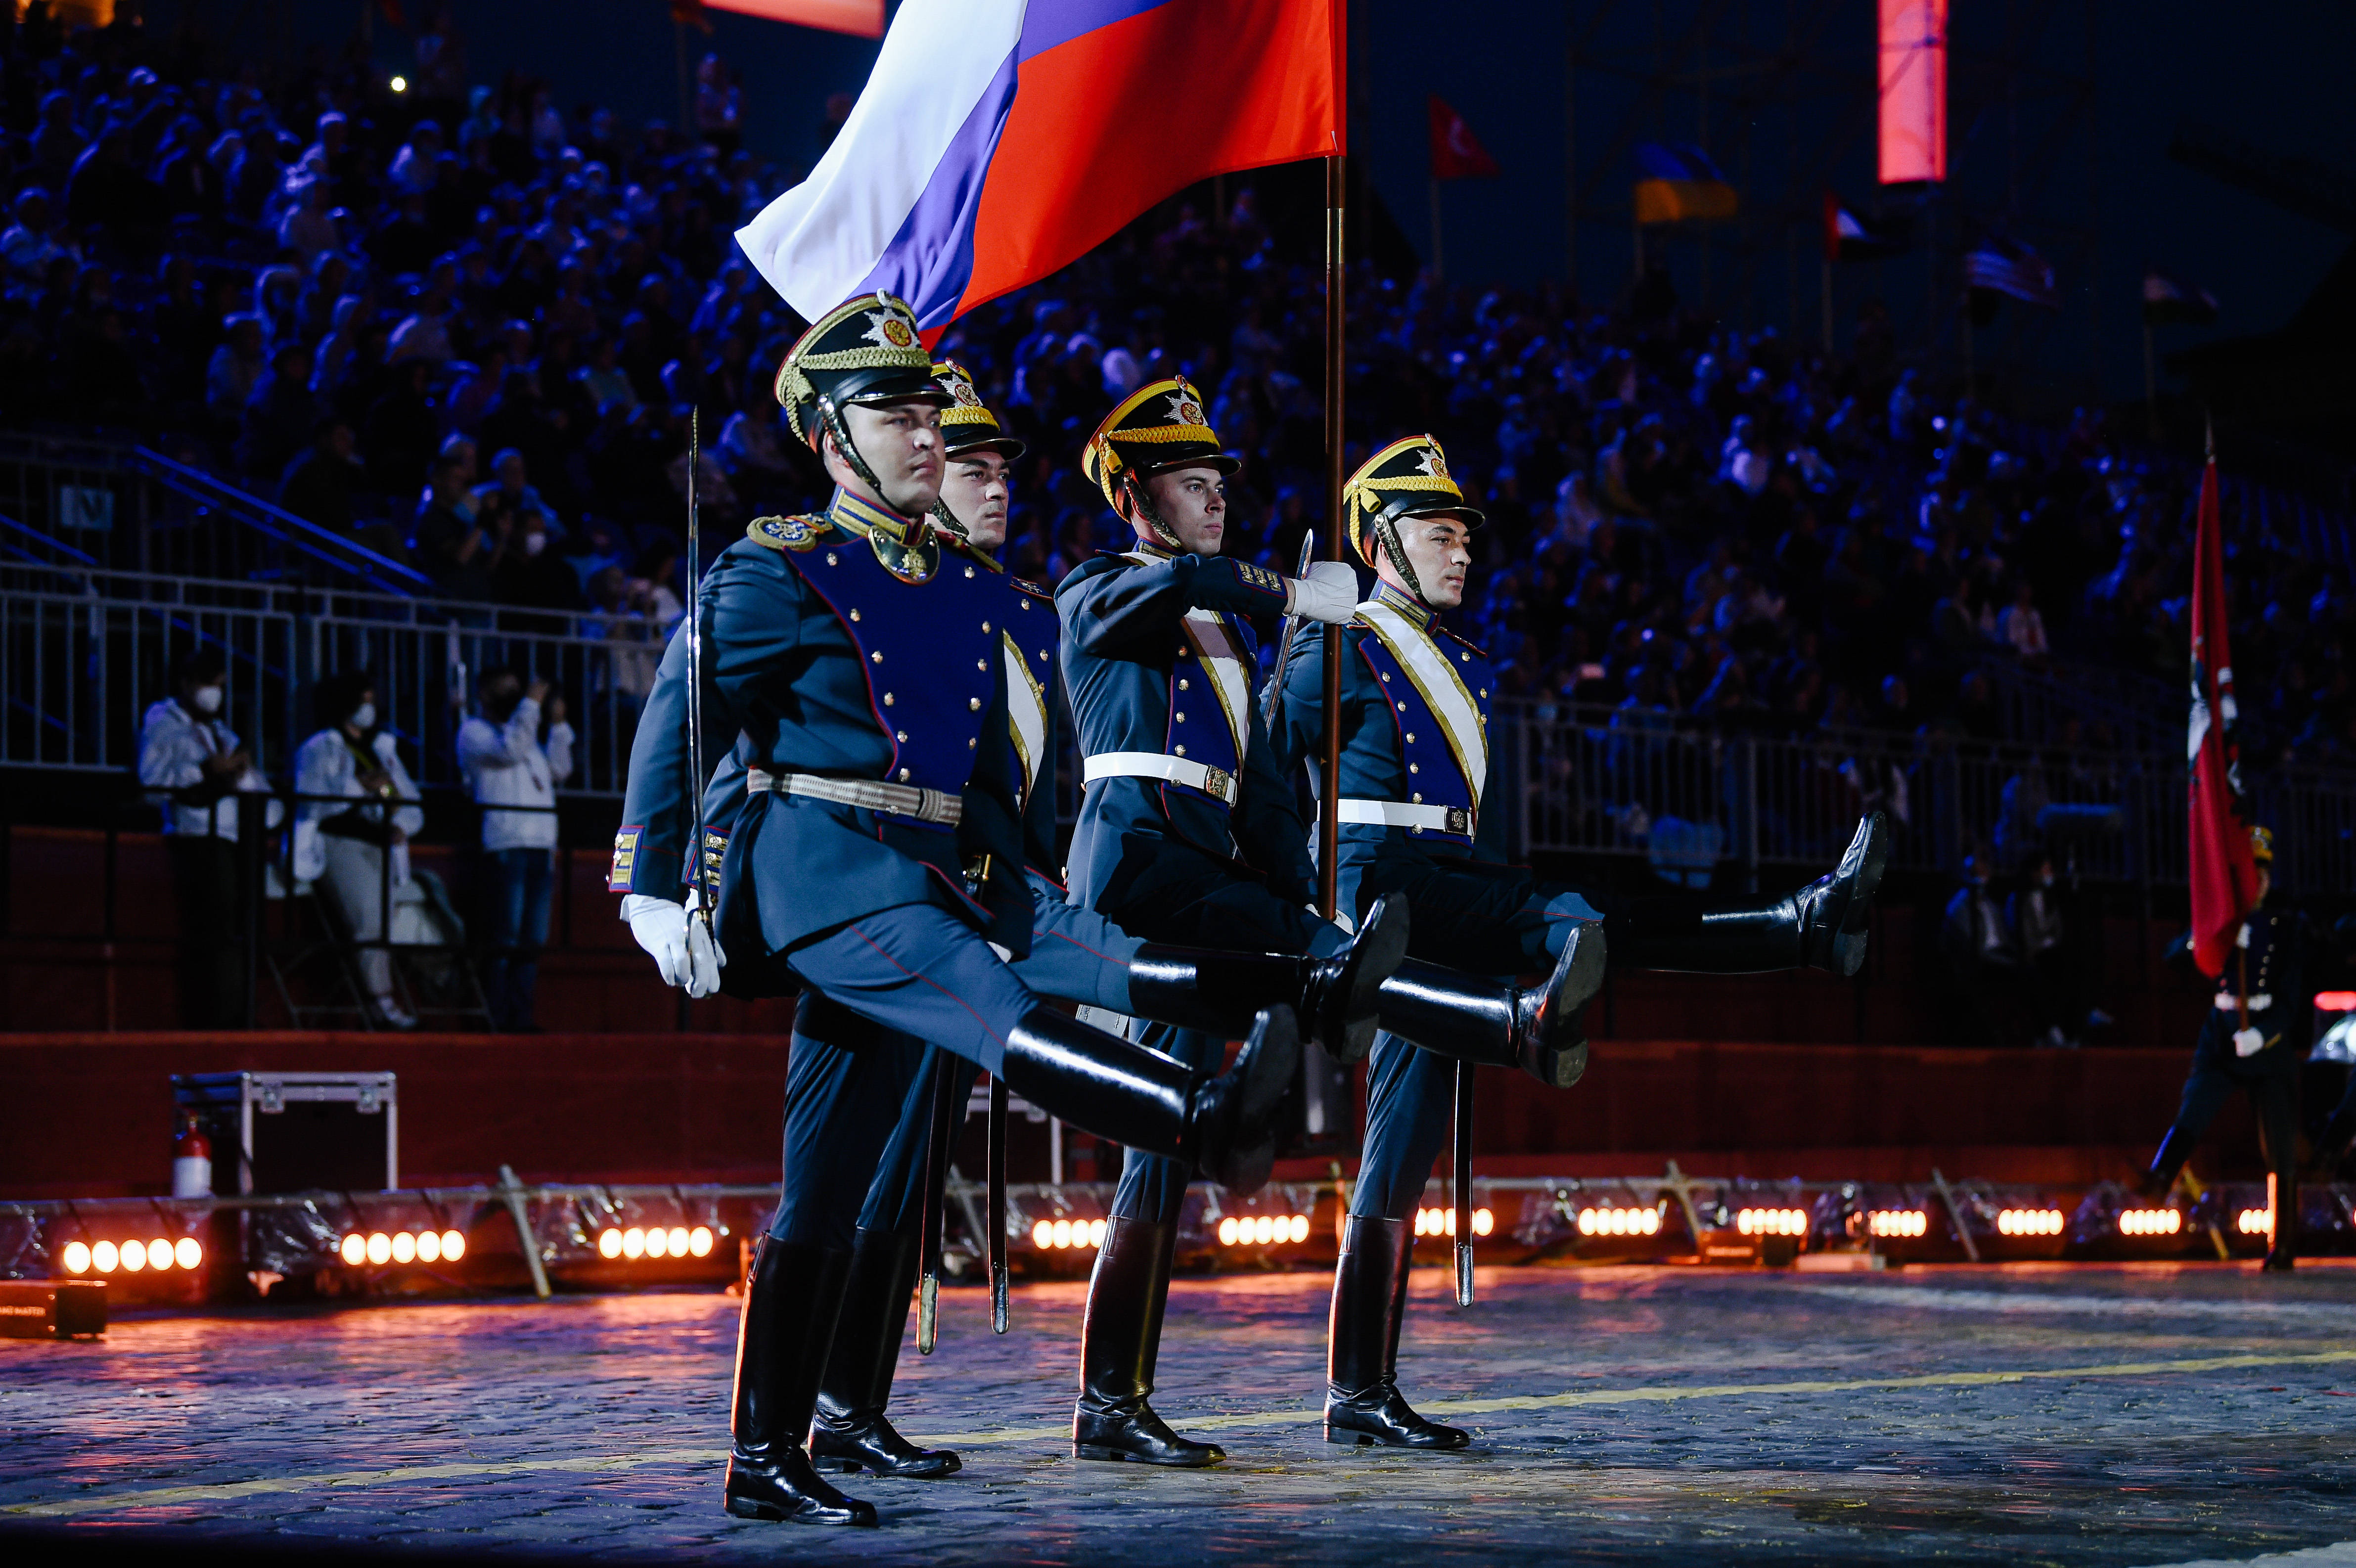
[1420, 808]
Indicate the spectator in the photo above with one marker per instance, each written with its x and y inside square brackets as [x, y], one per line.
[318, 486]
[513, 777]
[32, 244]
[1983, 955]
[193, 767]
[235, 369]
[2024, 628]
[280, 415]
[455, 547]
[357, 853]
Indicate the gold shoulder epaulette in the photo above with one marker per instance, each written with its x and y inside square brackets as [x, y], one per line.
[1035, 589]
[795, 534]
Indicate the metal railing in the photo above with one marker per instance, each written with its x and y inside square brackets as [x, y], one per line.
[131, 508]
[85, 651]
[1709, 806]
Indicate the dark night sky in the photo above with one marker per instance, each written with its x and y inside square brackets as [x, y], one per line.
[2273, 74]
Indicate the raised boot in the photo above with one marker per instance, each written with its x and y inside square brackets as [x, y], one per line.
[2159, 1178]
[850, 1432]
[1821, 926]
[1333, 998]
[1223, 1125]
[1466, 1018]
[1119, 1341]
[790, 1305]
[1362, 1403]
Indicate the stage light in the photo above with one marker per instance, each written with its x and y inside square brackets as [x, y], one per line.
[398, 84]
[1042, 1235]
[2150, 1221]
[2029, 1222]
[77, 1258]
[105, 1256]
[188, 1251]
[634, 1243]
[1262, 1229]
[380, 1248]
[135, 1257]
[609, 1242]
[1061, 1235]
[1772, 1221]
[1055, 1235]
[429, 1247]
[1900, 1223]
[1618, 1223]
[2253, 1223]
[355, 1248]
[698, 1242]
[678, 1240]
[2335, 1001]
[1227, 1232]
[404, 1247]
[657, 1241]
[1442, 1221]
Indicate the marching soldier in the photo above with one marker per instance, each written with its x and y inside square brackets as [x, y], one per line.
[1419, 787]
[1188, 833]
[856, 664]
[1076, 955]
[2254, 1036]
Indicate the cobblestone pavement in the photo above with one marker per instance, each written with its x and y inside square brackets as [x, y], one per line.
[2020, 1414]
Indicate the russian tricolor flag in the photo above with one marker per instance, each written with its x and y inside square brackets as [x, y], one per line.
[999, 140]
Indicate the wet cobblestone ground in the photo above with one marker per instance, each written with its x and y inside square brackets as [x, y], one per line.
[2156, 1414]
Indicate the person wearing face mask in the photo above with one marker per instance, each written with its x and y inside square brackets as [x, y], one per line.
[508, 766]
[1417, 771]
[193, 767]
[349, 821]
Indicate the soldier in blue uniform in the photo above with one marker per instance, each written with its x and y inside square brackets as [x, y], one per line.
[2254, 1036]
[1076, 955]
[1188, 832]
[1422, 816]
[855, 664]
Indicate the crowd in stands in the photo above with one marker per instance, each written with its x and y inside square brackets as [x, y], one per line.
[471, 324]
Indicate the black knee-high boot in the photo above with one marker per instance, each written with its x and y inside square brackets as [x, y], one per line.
[1333, 998]
[1466, 1018]
[851, 1432]
[1118, 1343]
[790, 1307]
[1362, 1403]
[1821, 926]
[1103, 1085]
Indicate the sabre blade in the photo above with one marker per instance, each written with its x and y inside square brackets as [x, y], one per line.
[698, 880]
[1273, 698]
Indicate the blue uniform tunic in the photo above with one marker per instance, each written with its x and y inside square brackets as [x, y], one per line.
[849, 646]
[1469, 908]
[1168, 860]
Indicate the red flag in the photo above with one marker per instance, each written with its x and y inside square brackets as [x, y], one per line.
[1456, 152]
[2225, 875]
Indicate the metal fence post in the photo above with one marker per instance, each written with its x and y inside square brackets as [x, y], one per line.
[1750, 744]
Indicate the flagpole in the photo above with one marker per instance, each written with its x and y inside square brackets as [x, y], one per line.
[1329, 783]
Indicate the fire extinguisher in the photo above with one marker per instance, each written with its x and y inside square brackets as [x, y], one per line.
[192, 1160]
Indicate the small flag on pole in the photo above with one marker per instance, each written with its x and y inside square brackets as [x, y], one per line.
[1456, 152]
[1848, 238]
[2225, 870]
[2169, 303]
[1677, 183]
[2003, 266]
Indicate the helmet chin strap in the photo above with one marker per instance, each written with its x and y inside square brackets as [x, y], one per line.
[832, 420]
[1387, 533]
[1144, 506]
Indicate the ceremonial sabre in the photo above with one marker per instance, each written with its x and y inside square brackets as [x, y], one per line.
[1273, 699]
[704, 893]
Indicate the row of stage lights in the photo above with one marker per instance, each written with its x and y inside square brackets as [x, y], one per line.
[1899, 1224]
[1442, 1221]
[1059, 1235]
[1772, 1221]
[654, 1242]
[2150, 1221]
[130, 1257]
[1619, 1222]
[1262, 1229]
[379, 1247]
[2028, 1222]
[2254, 1222]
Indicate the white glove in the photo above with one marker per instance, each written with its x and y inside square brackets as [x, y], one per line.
[684, 949]
[1329, 594]
[1005, 954]
[2248, 1042]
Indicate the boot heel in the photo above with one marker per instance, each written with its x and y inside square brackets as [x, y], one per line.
[1359, 1439]
[1092, 1451]
[746, 1508]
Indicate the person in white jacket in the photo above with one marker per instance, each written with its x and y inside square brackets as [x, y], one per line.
[355, 846]
[507, 767]
[194, 768]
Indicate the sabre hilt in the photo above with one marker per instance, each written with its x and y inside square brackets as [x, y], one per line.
[1463, 1184]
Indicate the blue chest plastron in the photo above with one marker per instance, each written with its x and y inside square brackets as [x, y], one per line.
[1211, 667]
[1028, 646]
[1433, 775]
[929, 651]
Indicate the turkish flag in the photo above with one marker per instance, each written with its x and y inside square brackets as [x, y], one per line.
[1456, 152]
[2225, 874]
